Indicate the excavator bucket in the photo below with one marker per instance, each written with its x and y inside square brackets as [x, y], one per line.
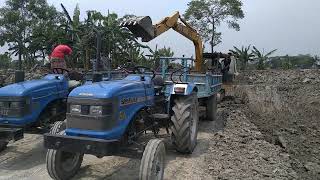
[141, 27]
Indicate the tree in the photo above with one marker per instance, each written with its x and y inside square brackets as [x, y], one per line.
[27, 27]
[163, 52]
[207, 15]
[118, 44]
[5, 61]
[286, 63]
[244, 55]
[262, 58]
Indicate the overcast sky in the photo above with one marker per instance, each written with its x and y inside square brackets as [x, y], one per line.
[291, 26]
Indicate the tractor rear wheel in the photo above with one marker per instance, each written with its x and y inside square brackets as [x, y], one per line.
[212, 106]
[185, 120]
[152, 163]
[3, 145]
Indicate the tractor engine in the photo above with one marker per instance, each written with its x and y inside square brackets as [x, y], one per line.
[109, 109]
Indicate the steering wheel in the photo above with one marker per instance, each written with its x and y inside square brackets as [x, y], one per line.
[178, 70]
[60, 71]
[138, 70]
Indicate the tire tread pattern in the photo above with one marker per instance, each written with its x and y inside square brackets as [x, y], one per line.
[181, 119]
[154, 147]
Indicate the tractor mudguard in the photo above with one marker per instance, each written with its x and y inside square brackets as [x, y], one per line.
[183, 89]
[189, 88]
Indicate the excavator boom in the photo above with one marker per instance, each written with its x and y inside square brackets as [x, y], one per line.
[142, 27]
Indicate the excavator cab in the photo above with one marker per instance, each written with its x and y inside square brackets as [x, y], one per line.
[141, 27]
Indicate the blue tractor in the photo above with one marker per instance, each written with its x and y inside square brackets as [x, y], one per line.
[29, 105]
[108, 118]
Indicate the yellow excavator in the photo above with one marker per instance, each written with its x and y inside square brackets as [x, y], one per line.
[142, 27]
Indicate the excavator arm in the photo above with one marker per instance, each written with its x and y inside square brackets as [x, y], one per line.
[142, 27]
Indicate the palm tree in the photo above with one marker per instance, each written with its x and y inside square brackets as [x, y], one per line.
[244, 55]
[262, 57]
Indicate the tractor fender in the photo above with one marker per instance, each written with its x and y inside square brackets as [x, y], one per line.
[40, 105]
[190, 88]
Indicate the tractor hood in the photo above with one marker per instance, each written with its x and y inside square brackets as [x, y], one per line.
[48, 83]
[108, 89]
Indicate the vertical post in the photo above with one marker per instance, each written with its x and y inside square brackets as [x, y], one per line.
[163, 69]
[109, 48]
[185, 66]
[192, 62]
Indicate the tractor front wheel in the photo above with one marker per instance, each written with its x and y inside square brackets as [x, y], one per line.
[152, 163]
[58, 127]
[63, 165]
[185, 120]
[3, 145]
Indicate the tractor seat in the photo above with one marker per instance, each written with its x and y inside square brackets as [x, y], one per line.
[73, 84]
[158, 84]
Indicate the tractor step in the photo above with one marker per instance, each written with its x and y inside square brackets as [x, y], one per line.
[160, 116]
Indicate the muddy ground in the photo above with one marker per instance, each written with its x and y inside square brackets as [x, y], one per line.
[271, 132]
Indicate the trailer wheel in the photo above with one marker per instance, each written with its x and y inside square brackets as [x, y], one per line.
[185, 120]
[3, 145]
[58, 127]
[212, 108]
[152, 163]
[63, 165]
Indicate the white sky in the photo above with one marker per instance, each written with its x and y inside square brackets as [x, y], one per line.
[291, 26]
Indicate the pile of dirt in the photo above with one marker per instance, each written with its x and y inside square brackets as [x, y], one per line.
[241, 152]
[277, 77]
[285, 106]
[7, 76]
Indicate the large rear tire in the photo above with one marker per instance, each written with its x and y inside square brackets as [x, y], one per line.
[3, 145]
[185, 120]
[211, 109]
[153, 160]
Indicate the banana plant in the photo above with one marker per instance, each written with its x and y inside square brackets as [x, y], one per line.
[244, 55]
[262, 57]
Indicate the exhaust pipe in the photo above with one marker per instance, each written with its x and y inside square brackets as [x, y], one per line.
[19, 76]
[97, 76]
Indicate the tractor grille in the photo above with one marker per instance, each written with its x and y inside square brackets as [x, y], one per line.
[84, 117]
[14, 107]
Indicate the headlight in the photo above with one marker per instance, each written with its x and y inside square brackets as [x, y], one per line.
[75, 109]
[96, 110]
